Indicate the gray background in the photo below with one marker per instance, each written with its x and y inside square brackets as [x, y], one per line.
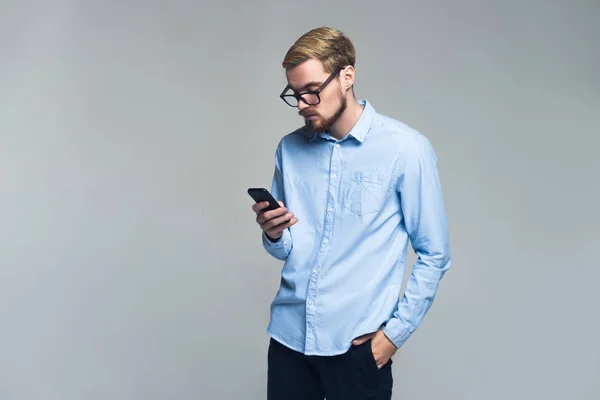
[130, 262]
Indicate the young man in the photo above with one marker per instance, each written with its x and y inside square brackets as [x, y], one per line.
[354, 186]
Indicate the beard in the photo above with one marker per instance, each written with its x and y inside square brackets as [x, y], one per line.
[321, 125]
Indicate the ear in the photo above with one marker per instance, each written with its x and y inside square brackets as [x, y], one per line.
[347, 77]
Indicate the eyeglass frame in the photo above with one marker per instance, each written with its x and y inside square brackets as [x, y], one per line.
[298, 96]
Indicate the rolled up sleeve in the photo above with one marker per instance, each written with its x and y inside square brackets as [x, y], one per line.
[425, 221]
[281, 248]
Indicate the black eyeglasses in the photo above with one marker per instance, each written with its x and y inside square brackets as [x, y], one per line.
[310, 97]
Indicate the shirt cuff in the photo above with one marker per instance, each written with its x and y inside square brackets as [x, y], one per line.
[279, 249]
[397, 332]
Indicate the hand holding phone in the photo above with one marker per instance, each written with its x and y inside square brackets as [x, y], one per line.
[272, 216]
[261, 195]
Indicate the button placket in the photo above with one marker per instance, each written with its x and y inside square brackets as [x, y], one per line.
[328, 228]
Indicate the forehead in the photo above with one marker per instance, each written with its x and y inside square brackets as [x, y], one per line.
[309, 72]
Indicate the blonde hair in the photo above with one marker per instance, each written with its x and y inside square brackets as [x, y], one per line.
[330, 46]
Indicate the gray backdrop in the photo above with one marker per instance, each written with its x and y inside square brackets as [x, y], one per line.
[131, 265]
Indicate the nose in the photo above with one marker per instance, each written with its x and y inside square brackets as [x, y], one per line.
[302, 105]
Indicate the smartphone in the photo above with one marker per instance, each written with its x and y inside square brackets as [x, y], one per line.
[262, 194]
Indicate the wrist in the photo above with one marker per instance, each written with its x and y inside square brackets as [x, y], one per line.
[273, 239]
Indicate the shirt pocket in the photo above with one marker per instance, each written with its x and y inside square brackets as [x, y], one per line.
[365, 192]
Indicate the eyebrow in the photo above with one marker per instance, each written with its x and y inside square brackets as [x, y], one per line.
[309, 84]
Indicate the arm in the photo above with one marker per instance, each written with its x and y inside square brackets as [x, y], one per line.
[425, 221]
[280, 247]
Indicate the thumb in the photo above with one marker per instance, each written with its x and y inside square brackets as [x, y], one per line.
[360, 340]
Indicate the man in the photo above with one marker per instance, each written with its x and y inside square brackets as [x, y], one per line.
[354, 187]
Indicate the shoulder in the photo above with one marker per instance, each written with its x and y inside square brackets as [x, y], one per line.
[293, 139]
[289, 143]
[405, 139]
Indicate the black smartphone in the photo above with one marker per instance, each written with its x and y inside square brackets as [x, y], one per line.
[262, 194]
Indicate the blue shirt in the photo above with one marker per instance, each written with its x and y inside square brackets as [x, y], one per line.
[358, 201]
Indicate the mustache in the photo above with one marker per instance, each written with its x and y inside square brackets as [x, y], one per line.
[306, 113]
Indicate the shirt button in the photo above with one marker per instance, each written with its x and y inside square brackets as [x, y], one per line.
[315, 270]
[337, 145]
[309, 302]
[332, 176]
[325, 240]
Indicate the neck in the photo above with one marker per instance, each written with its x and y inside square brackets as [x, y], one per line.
[347, 120]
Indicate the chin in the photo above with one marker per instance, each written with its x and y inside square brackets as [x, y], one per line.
[314, 128]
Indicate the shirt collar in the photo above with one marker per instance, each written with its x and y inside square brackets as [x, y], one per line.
[363, 125]
[359, 130]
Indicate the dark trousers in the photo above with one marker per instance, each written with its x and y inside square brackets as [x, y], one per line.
[350, 376]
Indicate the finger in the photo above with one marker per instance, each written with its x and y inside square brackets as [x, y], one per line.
[281, 227]
[287, 224]
[264, 217]
[278, 224]
[274, 213]
[256, 207]
[271, 223]
[382, 363]
[360, 340]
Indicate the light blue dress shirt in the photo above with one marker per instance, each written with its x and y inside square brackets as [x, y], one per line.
[358, 202]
